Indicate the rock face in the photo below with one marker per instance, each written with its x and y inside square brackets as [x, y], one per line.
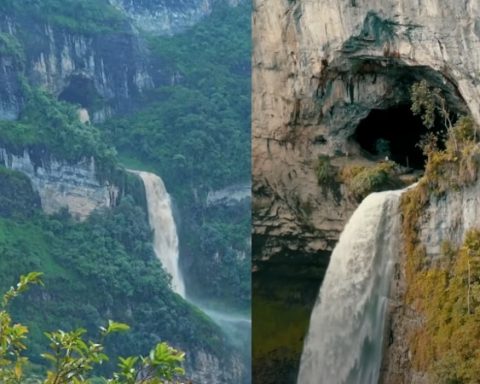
[230, 196]
[78, 67]
[207, 368]
[446, 218]
[319, 68]
[61, 185]
[167, 16]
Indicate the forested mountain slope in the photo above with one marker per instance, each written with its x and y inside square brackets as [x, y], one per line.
[85, 93]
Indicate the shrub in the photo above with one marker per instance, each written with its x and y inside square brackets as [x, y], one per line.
[446, 294]
[458, 164]
[72, 357]
[54, 125]
[325, 171]
[447, 345]
[361, 180]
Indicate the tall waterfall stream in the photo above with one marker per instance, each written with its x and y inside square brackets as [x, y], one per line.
[165, 242]
[345, 339]
[165, 238]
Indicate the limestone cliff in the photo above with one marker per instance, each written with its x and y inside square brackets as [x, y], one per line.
[207, 368]
[319, 68]
[78, 67]
[229, 196]
[167, 16]
[63, 185]
[106, 68]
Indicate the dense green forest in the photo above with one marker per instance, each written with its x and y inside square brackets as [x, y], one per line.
[112, 252]
[86, 16]
[194, 133]
[52, 125]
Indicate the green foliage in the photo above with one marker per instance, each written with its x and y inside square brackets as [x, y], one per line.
[457, 165]
[448, 295]
[446, 292]
[13, 336]
[72, 357]
[424, 102]
[80, 16]
[361, 180]
[46, 123]
[103, 267]
[17, 197]
[196, 135]
[452, 160]
[430, 103]
[325, 172]
[223, 237]
[10, 46]
[22, 286]
[197, 131]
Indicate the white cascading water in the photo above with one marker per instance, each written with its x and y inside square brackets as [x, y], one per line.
[345, 338]
[165, 238]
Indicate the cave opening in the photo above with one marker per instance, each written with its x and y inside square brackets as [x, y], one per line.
[82, 91]
[395, 133]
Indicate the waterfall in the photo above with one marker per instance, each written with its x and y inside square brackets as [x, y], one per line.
[160, 217]
[236, 327]
[345, 339]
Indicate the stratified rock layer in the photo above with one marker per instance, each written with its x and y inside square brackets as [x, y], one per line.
[63, 185]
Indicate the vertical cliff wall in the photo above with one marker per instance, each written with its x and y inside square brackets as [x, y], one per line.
[63, 185]
[167, 16]
[78, 66]
[319, 68]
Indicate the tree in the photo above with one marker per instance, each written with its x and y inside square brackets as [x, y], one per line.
[73, 357]
[428, 102]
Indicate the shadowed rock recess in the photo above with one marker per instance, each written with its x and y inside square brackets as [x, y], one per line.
[331, 78]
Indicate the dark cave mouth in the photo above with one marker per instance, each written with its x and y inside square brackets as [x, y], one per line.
[394, 133]
[81, 90]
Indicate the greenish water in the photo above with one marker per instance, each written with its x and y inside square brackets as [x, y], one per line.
[283, 298]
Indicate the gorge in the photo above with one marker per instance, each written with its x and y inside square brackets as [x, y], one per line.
[86, 94]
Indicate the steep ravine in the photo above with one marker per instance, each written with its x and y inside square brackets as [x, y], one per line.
[105, 66]
[319, 68]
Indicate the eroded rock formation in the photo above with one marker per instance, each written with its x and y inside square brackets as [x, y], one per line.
[78, 67]
[319, 68]
[63, 185]
[167, 16]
